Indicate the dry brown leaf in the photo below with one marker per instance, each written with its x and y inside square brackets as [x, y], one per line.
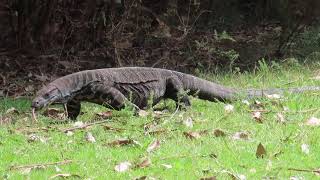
[153, 146]
[42, 78]
[124, 44]
[35, 137]
[209, 178]
[257, 116]
[145, 178]
[105, 115]
[313, 121]
[122, 142]
[109, 128]
[192, 135]
[12, 110]
[155, 132]
[240, 136]
[261, 151]
[65, 175]
[54, 113]
[219, 133]
[123, 166]
[145, 163]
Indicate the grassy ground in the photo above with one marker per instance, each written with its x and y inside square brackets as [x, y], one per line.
[204, 156]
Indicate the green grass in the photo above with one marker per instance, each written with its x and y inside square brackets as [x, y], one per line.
[189, 158]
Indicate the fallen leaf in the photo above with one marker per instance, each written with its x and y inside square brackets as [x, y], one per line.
[109, 128]
[42, 78]
[228, 108]
[167, 166]
[257, 116]
[78, 124]
[240, 136]
[54, 113]
[261, 151]
[69, 133]
[154, 132]
[57, 169]
[192, 135]
[105, 115]
[280, 118]
[143, 113]
[64, 176]
[305, 148]
[316, 172]
[296, 178]
[122, 142]
[90, 138]
[29, 88]
[273, 96]
[153, 146]
[242, 177]
[145, 178]
[209, 178]
[188, 122]
[123, 166]
[246, 102]
[218, 133]
[145, 163]
[313, 121]
[35, 137]
[12, 110]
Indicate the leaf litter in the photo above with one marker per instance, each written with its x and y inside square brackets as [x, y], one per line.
[153, 146]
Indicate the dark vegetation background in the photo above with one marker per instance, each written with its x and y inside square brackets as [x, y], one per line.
[44, 39]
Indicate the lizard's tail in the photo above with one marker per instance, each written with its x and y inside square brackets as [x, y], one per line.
[212, 91]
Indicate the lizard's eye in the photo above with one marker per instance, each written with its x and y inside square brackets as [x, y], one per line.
[46, 95]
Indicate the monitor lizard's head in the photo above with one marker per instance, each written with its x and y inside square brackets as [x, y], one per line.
[46, 96]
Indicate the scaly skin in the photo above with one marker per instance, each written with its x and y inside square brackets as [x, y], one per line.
[112, 87]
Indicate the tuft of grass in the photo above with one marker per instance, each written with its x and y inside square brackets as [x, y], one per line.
[205, 156]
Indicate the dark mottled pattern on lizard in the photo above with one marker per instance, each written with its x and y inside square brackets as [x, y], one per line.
[112, 87]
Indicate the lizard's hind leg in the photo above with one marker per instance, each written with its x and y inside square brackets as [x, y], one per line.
[109, 96]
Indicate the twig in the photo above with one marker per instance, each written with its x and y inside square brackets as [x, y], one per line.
[84, 126]
[304, 170]
[33, 166]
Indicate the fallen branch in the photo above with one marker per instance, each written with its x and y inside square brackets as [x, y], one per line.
[83, 126]
[33, 166]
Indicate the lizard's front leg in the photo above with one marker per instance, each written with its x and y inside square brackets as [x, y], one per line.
[174, 90]
[73, 108]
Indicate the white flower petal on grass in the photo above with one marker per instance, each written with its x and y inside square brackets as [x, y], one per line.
[313, 121]
[188, 122]
[228, 108]
[167, 166]
[246, 102]
[123, 166]
[90, 138]
[69, 133]
[305, 148]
